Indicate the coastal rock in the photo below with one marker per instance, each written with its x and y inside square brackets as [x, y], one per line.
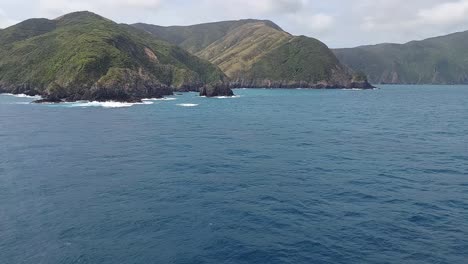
[360, 85]
[219, 89]
[47, 101]
[127, 86]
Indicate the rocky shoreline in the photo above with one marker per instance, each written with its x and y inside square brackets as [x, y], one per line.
[138, 94]
[211, 90]
[294, 85]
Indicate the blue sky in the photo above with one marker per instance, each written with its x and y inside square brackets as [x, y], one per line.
[339, 23]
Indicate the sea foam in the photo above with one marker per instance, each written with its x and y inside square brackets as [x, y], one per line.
[188, 105]
[24, 96]
[160, 99]
[222, 97]
[227, 97]
[107, 104]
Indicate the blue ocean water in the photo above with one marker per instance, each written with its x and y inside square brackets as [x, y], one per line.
[272, 176]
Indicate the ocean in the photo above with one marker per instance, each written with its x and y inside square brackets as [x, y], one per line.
[270, 176]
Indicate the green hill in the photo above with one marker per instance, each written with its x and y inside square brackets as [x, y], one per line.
[258, 53]
[440, 60]
[83, 56]
[197, 37]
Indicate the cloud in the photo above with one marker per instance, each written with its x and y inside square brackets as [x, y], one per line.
[417, 14]
[152, 4]
[321, 22]
[402, 20]
[252, 9]
[339, 23]
[5, 21]
[59, 7]
[298, 16]
[285, 6]
[313, 24]
[445, 13]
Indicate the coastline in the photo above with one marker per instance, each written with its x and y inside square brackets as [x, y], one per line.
[40, 99]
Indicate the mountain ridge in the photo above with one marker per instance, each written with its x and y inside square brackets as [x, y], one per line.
[187, 36]
[84, 56]
[245, 51]
[435, 60]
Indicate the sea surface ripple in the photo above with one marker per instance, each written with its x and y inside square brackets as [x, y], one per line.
[272, 176]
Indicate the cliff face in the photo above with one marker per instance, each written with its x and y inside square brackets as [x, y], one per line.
[258, 53]
[82, 56]
[441, 60]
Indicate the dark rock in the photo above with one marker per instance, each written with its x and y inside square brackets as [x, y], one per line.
[360, 85]
[48, 100]
[218, 89]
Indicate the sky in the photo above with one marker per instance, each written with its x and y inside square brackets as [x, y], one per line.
[338, 23]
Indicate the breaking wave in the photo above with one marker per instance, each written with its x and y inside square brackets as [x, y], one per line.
[222, 97]
[188, 105]
[160, 99]
[23, 96]
[107, 104]
[227, 97]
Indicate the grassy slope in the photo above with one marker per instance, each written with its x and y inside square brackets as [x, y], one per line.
[441, 60]
[257, 50]
[300, 59]
[196, 37]
[82, 51]
[243, 46]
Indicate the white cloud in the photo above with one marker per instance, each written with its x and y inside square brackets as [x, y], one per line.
[321, 22]
[252, 9]
[312, 24]
[339, 23]
[445, 13]
[59, 7]
[152, 4]
[285, 6]
[402, 20]
[5, 21]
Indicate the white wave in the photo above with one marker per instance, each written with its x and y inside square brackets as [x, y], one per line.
[160, 99]
[222, 97]
[353, 89]
[23, 96]
[227, 97]
[188, 105]
[107, 104]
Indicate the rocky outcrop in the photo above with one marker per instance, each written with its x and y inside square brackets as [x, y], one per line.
[23, 88]
[218, 89]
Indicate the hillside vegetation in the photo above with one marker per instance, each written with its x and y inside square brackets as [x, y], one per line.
[85, 56]
[258, 53]
[440, 60]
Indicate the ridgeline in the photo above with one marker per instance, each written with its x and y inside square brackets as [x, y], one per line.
[258, 53]
[83, 56]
